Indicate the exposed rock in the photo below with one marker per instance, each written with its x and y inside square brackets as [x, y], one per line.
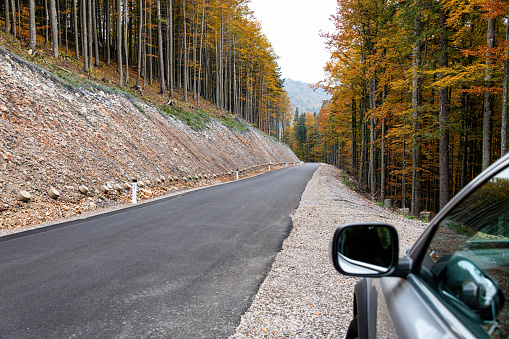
[83, 189]
[24, 196]
[54, 193]
[56, 134]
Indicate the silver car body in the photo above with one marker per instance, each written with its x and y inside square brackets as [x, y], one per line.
[404, 301]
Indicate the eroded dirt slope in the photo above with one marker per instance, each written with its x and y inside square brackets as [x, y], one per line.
[53, 134]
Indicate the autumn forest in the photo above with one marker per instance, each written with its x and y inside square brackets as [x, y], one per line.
[419, 103]
[419, 88]
[206, 49]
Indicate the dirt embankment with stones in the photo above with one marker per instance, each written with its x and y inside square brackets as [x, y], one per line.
[57, 135]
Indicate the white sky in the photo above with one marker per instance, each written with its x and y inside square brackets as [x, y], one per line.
[293, 28]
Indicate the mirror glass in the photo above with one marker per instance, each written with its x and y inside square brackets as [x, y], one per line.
[365, 249]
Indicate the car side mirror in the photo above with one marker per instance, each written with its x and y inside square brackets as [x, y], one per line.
[365, 249]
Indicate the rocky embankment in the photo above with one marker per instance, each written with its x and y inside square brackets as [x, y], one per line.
[54, 134]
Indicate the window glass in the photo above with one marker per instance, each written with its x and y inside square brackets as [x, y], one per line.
[470, 257]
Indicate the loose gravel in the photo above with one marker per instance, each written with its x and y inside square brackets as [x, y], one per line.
[303, 296]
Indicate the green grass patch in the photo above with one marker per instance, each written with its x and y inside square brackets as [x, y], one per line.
[346, 180]
[196, 119]
[233, 123]
[71, 80]
[65, 76]
[142, 111]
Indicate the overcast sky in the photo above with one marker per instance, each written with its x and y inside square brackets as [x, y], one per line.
[293, 28]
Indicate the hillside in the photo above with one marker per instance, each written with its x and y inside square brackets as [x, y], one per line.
[303, 97]
[59, 132]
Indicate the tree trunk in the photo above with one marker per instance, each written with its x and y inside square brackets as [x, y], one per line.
[66, 24]
[382, 153]
[145, 47]
[126, 43]
[89, 41]
[7, 17]
[161, 54]
[221, 70]
[218, 61]
[90, 35]
[94, 29]
[362, 180]
[31, 9]
[488, 99]
[108, 30]
[185, 50]
[130, 26]
[59, 38]
[403, 177]
[201, 51]
[119, 43]
[54, 28]
[372, 136]
[149, 27]
[75, 22]
[46, 22]
[464, 138]
[141, 42]
[354, 131]
[84, 43]
[503, 128]
[235, 82]
[443, 117]
[170, 49]
[13, 13]
[195, 68]
[416, 115]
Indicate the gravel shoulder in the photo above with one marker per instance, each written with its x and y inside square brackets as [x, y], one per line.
[302, 295]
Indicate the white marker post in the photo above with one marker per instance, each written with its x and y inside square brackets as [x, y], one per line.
[237, 174]
[135, 188]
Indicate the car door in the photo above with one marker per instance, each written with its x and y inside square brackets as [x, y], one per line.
[464, 273]
[451, 284]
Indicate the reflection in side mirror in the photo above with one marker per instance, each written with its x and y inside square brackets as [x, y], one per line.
[461, 280]
[365, 249]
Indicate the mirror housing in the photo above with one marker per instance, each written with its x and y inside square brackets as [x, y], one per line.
[365, 249]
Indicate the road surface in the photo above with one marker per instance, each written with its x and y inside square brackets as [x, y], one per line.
[183, 267]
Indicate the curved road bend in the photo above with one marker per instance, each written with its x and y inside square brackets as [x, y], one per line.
[182, 267]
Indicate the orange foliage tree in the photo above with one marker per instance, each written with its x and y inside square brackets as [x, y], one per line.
[417, 90]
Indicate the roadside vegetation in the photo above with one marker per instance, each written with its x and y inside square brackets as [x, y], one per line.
[419, 98]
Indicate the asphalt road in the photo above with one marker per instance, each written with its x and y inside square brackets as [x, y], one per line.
[182, 267]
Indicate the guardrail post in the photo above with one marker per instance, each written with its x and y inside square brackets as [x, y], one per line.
[135, 188]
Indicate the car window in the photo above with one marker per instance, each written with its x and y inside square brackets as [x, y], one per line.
[470, 257]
